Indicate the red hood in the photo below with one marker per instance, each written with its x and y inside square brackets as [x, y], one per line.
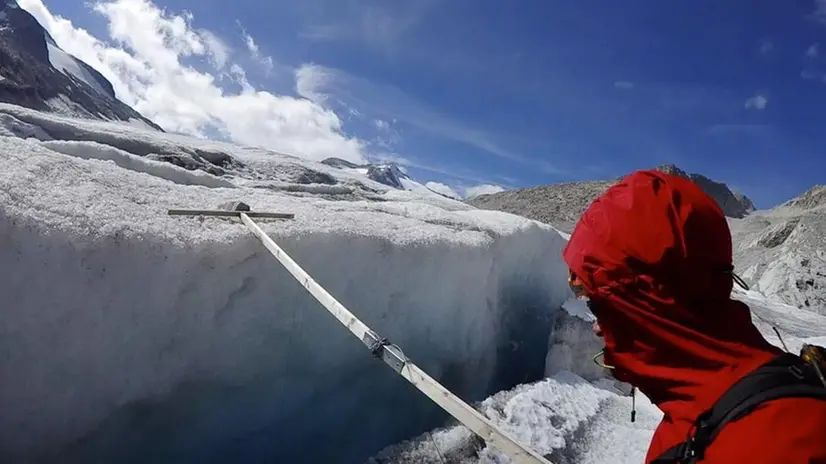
[653, 253]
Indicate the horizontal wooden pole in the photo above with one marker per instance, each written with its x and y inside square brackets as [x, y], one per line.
[227, 213]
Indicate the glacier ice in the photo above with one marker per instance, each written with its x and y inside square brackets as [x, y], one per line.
[131, 336]
[128, 335]
[126, 160]
[578, 414]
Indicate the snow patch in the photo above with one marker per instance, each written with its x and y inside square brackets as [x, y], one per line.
[13, 127]
[565, 418]
[610, 436]
[68, 65]
[796, 326]
[139, 123]
[579, 308]
[167, 171]
[63, 105]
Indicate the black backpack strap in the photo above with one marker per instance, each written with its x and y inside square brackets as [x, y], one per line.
[783, 377]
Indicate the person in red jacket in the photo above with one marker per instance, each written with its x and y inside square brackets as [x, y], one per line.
[653, 255]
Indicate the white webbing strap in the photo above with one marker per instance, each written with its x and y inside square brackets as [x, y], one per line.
[394, 357]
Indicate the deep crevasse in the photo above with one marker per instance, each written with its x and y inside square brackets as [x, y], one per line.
[129, 336]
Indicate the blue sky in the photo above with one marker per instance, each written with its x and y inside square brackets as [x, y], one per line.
[542, 91]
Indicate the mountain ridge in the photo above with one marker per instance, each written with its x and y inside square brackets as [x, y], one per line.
[780, 252]
[562, 204]
[36, 73]
[386, 173]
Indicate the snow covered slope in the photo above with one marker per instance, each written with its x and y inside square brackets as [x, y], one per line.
[782, 252]
[37, 73]
[76, 69]
[389, 174]
[576, 415]
[128, 335]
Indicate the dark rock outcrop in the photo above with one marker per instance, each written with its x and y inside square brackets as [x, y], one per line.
[734, 205]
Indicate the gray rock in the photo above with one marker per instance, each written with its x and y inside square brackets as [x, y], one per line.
[388, 174]
[813, 198]
[561, 205]
[733, 204]
[339, 163]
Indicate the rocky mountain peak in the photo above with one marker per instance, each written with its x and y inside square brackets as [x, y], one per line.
[673, 170]
[735, 205]
[38, 74]
[811, 199]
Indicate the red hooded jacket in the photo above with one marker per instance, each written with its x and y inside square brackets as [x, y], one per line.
[653, 254]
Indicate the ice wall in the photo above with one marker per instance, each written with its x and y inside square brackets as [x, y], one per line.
[573, 343]
[130, 336]
[578, 413]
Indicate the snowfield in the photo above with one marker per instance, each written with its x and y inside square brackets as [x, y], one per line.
[128, 335]
[132, 336]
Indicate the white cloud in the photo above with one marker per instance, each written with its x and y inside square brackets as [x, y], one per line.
[381, 124]
[143, 55]
[252, 46]
[624, 85]
[217, 49]
[443, 189]
[820, 11]
[483, 189]
[327, 86]
[311, 80]
[813, 50]
[757, 102]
